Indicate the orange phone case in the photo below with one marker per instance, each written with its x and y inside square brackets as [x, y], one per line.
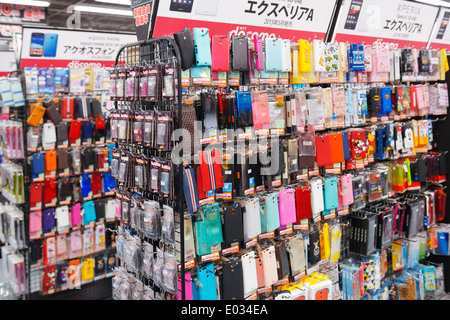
[337, 147]
[50, 161]
[36, 116]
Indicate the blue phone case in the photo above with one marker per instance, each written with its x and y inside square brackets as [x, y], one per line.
[85, 185]
[380, 155]
[263, 214]
[202, 44]
[274, 53]
[208, 280]
[244, 109]
[356, 58]
[346, 145]
[386, 99]
[38, 164]
[330, 193]
[89, 213]
[273, 215]
[209, 231]
[50, 45]
[109, 183]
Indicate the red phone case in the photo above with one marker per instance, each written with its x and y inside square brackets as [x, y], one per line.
[324, 155]
[66, 109]
[49, 190]
[358, 144]
[413, 98]
[35, 193]
[220, 54]
[211, 170]
[303, 203]
[337, 147]
[75, 130]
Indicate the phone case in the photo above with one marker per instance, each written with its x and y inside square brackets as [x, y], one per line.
[259, 50]
[273, 216]
[282, 260]
[244, 109]
[220, 54]
[252, 220]
[296, 249]
[52, 113]
[337, 147]
[269, 261]
[208, 290]
[286, 56]
[36, 116]
[346, 190]
[185, 43]
[304, 56]
[240, 53]
[330, 192]
[202, 44]
[274, 53]
[232, 280]
[303, 203]
[67, 108]
[317, 204]
[75, 130]
[260, 273]
[233, 224]
[50, 161]
[249, 273]
[211, 169]
[324, 154]
[287, 207]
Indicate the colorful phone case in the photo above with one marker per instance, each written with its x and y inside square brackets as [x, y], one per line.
[287, 207]
[220, 54]
[202, 44]
[274, 53]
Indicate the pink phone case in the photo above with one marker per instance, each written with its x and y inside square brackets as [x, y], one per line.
[220, 54]
[188, 287]
[76, 215]
[35, 222]
[260, 272]
[345, 191]
[286, 204]
[259, 53]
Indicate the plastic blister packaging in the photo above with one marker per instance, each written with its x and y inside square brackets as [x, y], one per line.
[168, 225]
[147, 260]
[169, 273]
[158, 266]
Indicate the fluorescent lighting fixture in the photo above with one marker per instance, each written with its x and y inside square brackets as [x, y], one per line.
[436, 3]
[103, 10]
[121, 2]
[28, 3]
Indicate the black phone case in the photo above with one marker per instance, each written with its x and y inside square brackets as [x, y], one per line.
[232, 280]
[314, 248]
[240, 53]
[209, 106]
[185, 44]
[282, 261]
[233, 229]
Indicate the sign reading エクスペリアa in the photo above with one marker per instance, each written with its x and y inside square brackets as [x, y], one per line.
[142, 14]
[266, 18]
[406, 23]
[22, 14]
[46, 47]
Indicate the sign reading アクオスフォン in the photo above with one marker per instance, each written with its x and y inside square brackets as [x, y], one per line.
[142, 14]
[21, 14]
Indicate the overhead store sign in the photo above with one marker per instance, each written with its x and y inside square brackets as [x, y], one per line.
[66, 48]
[441, 35]
[403, 22]
[142, 14]
[265, 18]
[8, 30]
[20, 14]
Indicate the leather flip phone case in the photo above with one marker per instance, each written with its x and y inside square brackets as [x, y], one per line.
[220, 54]
[252, 219]
[269, 261]
[52, 113]
[96, 108]
[282, 260]
[75, 130]
[63, 159]
[36, 116]
[287, 207]
[330, 192]
[232, 280]
[346, 190]
[62, 132]
[50, 161]
[233, 230]
[211, 168]
[66, 109]
[208, 290]
[249, 273]
[273, 216]
[303, 203]
[274, 53]
[317, 204]
[337, 147]
[202, 44]
[240, 53]
[324, 155]
[185, 44]
[297, 258]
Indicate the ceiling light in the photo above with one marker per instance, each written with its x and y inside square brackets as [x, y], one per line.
[435, 2]
[28, 3]
[103, 10]
[121, 2]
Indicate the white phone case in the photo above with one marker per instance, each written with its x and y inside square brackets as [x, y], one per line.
[317, 204]
[62, 217]
[252, 220]
[296, 249]
[110, 209]
[269, 261]
[249, 273]
[48, 135]
[287, 59]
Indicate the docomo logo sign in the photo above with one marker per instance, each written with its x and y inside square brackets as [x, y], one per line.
[86, 65]
[251, 34]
